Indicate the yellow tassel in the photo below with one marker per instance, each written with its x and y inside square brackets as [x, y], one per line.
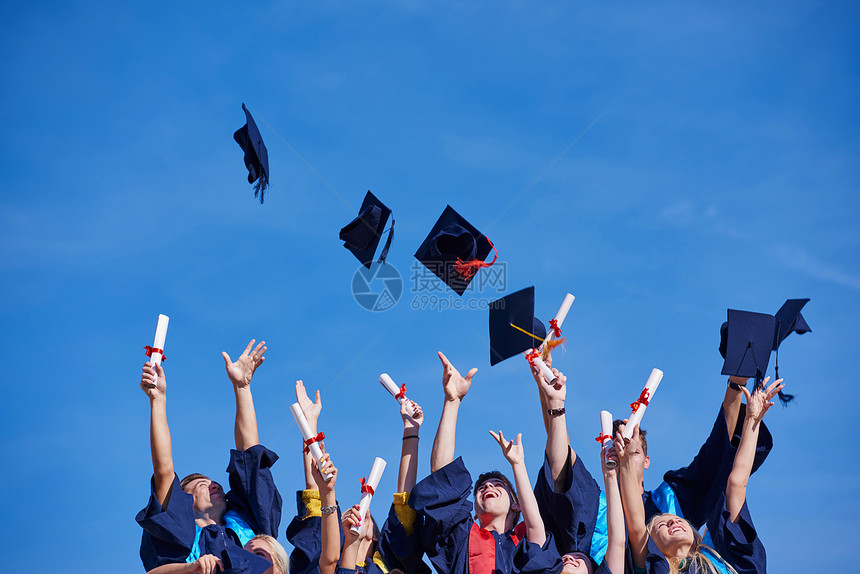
[549, 346]
[526, 332]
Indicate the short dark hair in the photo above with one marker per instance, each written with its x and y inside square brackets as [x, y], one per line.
[642, 434]
[191, 477]
[496, 475]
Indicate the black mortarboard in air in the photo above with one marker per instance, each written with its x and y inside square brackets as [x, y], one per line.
[256, 156]
[362, 234]
[454, 250]
[788, 320]
[746, 343]
[508, 313]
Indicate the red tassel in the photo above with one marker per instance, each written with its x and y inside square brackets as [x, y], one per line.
[467, 269]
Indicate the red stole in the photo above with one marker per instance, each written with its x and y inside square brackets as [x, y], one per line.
[482, 548]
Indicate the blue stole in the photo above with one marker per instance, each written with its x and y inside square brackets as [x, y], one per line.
[666, 500]
[234, 522]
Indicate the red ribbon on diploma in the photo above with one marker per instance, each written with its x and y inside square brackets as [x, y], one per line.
[642, 400]
[531, 356]
[151, 350]
[602, 437]
[467, 269]
[365, 488]
[402, 393]
[553, 325]
[312, 440]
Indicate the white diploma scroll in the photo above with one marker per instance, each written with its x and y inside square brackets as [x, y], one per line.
[392, 388]
[366, 497]
[647, 394]
[560, 316]
[606, 437]
[314, 447]
[160, 336]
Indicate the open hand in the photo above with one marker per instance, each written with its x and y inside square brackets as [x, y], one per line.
[312, 409]
[759, 401]
[455, 385]
[208, 564]
[513, 450]
[242, 371]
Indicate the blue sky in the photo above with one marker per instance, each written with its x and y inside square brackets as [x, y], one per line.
[662, 162]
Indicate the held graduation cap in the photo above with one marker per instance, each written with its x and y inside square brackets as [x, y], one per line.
[362, 235]
[455, 250]
[746, 343]
[514, 329]
[256, 156]
[747, 339]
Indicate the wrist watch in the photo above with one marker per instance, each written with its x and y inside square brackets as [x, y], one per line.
[555, 412]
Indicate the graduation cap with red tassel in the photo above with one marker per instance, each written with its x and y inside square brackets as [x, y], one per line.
[455, 250]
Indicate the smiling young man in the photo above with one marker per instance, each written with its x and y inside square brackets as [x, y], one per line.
[192, 521]
[493, 543]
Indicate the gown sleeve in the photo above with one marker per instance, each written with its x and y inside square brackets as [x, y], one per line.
[738, 543]
[253, 493]
[570, 515]
[444, 516]
[305, 533]
[168, 531]
[531, 558]
[398, 542]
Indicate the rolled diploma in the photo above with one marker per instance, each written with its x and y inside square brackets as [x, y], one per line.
[392, 388]
[606, 431]
[636, 417]
[366, 497]
[160, 337]
[314, 447]
[547, 373]
[560, 316]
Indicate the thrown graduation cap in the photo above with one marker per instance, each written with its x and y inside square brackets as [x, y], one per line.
[256, 156]
[788, 320]
[514, 328]
[362, 235]
[746, 343]
[455, 250]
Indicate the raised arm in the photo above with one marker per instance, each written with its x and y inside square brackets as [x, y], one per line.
[408, 473]
[455, 386]
[241, 372]
[631, 493]
[312, 410]
[758, 404]
[614, 514]
[514, 453]
[553, 398]
[330, 529]
[352, 541]
[154, 384]
[732, 403]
